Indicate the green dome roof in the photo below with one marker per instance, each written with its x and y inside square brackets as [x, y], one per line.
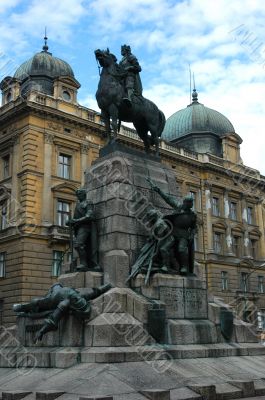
[43, 64]
[196, 118]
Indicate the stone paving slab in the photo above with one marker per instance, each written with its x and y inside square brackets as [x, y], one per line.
[227, 391]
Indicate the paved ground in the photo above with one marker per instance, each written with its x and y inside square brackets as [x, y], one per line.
[125, 380]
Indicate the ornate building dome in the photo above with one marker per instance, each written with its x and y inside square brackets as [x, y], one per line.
[197, 127]
[40, 71]
[43, 63]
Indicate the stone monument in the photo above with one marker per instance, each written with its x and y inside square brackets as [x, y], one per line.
[144, 246]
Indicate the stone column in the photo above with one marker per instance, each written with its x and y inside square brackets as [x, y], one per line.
[46, 195]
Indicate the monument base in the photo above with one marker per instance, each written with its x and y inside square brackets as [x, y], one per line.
[184, 297]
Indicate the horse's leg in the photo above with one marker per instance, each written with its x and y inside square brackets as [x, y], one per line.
[152, 127]
[106, 119]
[156, 143]
[114, 114]
[142, 131]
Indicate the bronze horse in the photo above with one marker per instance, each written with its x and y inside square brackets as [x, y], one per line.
[144, 114]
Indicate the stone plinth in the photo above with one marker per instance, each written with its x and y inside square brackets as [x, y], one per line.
[116, 329]
[184, 297]
[184, 332]
[117, 185]
[69, 333]
[78, 280]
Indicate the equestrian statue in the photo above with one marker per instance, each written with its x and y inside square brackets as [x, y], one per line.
[119, 97]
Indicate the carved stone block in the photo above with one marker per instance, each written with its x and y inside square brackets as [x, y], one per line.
[116, 264]
[73, 279]
[184, 297]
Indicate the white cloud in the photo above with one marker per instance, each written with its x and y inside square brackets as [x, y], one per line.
[5, 5]
[58, 16]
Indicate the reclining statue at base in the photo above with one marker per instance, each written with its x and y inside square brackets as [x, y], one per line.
[59, 302]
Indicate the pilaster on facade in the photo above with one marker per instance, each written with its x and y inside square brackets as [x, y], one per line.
[209, 222]
[46, 208]
[228, 230]
[260, 215]
[48, 138]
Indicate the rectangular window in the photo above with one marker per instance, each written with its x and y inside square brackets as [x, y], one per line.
[250, 215]
[3, 216]
[236, 248]
[63, 212]
[233, 210]
[57, 262]
[253, 248]
[6, 166]
[224, 280]
[244, 281]
[65, 166]
[215, 206]
[2, 265]
[261, 284]
[218, 242]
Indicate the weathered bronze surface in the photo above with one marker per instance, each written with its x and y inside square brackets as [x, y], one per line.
[119, 97]
[85, 232]
[170, 247]
[183, 221]
[57, 304]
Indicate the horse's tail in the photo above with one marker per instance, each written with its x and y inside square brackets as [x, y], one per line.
[162, 121]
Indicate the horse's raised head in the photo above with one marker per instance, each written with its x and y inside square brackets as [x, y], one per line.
[104, 57]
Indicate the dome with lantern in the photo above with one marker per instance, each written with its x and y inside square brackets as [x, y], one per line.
[197, 128]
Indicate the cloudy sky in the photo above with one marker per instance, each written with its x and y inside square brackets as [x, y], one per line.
[222, 40]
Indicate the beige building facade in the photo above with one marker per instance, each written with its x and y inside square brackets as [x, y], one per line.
[47, 140]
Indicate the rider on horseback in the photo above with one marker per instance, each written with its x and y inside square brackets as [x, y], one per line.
[130, 64]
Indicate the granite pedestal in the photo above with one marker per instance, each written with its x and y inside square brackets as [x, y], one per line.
[117, 185]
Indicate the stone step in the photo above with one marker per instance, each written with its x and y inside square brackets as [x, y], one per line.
[259, 386]
[184, 393]
[19, 395]
[226, 391]
[65, 357]
[116, 329]
[156, 394]
[181, 331]
[160, 352]
[14, 395]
